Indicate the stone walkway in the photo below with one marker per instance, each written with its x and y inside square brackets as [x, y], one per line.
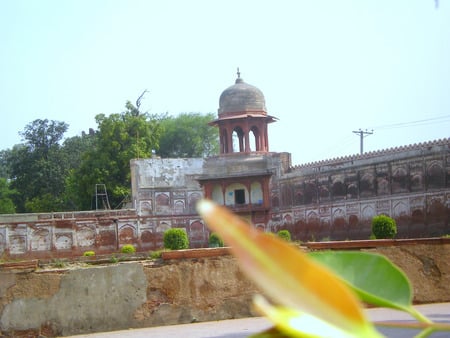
[240, 328]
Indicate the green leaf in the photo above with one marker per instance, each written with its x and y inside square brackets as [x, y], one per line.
[374, 278]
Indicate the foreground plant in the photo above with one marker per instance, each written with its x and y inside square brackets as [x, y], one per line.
[317, 295]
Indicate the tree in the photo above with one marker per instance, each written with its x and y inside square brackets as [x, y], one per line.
[4, 163]
[38, 167]
[6, 202]
[119, 138]
[75, 147]
[188, 135]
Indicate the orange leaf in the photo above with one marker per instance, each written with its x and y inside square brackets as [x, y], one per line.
[285, 273]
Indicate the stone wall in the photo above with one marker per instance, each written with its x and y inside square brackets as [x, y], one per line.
[72, 301]
[119, 296]
[338, 198]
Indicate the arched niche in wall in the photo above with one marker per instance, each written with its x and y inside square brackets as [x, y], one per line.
[400, 209]
[310, 193]
[256, 193]
[352, 191]
[382, 186]
[85, 236]
[146, 207]
[162, 202]
[368, 212]
[435, 175]
[366, 185]
[63, 241]
[40, 240]
[178, 206]
[127, 234]
[286, 194]
[437, 211]
[399, 180]
[217, 194]
[338, 188]
[417, 182]
[197, 233]
[236, 194]
[298, 197]
[338, 218]
[324, 193]
[193, 199]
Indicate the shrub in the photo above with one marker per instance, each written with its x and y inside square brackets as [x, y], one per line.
[215, 241]
[284, 234]
[89, 253]
[128, 248]
[175, 239]
[156, 254]
[383, 227]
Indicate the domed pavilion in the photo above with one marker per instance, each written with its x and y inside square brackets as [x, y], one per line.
[242, 119]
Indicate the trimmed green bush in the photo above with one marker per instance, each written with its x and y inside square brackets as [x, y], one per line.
[215, 241]
[384, 227]
[156, 254]
[284, 234]
[176, 239]
[89, 253]
[128, 248]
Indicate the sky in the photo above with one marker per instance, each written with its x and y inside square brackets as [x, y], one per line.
[327, 68]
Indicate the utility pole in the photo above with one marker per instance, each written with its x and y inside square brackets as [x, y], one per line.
[361, 137]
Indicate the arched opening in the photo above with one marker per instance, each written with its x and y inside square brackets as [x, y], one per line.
[435, 176]
[238, 140]
[254, 139]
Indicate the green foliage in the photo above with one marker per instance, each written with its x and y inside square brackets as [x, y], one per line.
[38, 167]
[284, 234]
[188, 135]
[89, 253]
[384, 227]
[156, 254]
[120, 138]
[175, 239]
[128, 248]
[6, 202]
[58, 263]
[215, 241]
[388, 287]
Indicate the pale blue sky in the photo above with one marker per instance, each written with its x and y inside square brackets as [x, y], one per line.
[326, 68]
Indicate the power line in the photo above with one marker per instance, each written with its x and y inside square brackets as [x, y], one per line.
[438, 119]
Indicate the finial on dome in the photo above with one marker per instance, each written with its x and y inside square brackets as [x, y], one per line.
[238, 80]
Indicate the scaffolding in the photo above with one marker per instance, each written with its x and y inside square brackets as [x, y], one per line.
[101, 197]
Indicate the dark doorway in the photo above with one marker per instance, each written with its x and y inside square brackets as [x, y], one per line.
[239, 196]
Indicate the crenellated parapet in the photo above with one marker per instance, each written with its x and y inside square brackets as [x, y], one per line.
[443, 143]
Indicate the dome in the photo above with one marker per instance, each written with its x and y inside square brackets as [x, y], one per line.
[241, 97]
